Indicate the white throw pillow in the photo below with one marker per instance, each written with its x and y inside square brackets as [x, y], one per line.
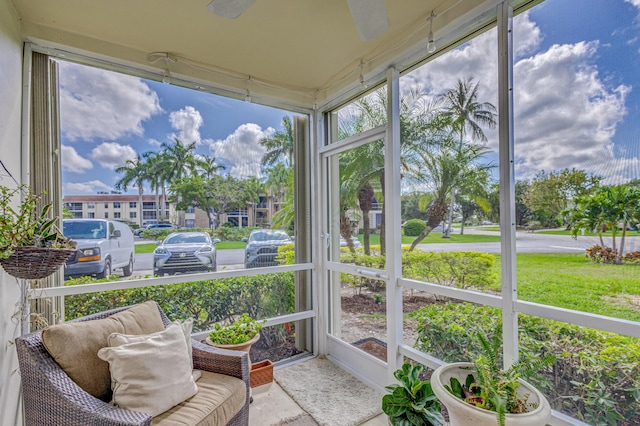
[153, 374]
[118, 339]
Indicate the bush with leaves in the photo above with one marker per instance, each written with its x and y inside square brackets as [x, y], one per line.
[596, 375]
[414, 227]
[455, 269]
[206, 301]
[600, 254]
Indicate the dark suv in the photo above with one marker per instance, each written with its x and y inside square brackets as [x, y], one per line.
[262, 247]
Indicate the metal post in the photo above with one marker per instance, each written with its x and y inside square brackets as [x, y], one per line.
[392, 222]
[507, 185]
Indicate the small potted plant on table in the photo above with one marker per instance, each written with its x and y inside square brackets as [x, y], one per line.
[412, 402]
[483, 394]
[31, 244]
[239, 336]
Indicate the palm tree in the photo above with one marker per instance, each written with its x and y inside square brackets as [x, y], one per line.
[179, 159]
[446, 170]
[208, 166]
[277, 180]
[252, 189]
[280, 145]
[135, 173]
[157, 175]
[365, 165]
[466, 114]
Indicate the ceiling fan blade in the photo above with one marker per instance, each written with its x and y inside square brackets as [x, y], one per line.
[370, 17]
[229, 8]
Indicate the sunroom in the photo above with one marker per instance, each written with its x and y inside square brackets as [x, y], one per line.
[399, 110]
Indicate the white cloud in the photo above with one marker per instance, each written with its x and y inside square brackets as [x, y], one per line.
[101, 104]
[90, 187]
[636, 3]
[74, 162]
[242, 150]
[188, 122]
[565, 113]
[111, 155]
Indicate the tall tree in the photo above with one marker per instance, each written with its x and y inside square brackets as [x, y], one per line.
[156, 173]
[444, 171]
[365, 165]
[277, 178]
[208, 166]
[467, 115]
[253, 188]
[549, 194]
[216, 195]
[280, 145]
[613, 208]
[179, 159]
[135, 173]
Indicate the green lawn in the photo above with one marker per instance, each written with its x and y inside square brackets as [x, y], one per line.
[145, 248]
[224, 245]
[436, 238]
[570, 281]
[590, 234]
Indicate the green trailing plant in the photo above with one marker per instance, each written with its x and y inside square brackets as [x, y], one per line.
[27, 225]
[239, 331]
[494, 388]
[412, 402]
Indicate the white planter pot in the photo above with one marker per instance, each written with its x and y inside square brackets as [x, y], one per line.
[463, 414]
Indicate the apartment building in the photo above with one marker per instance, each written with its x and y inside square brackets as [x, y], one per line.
[121, 207]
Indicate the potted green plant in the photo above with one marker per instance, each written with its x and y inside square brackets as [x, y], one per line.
[238, 335]
[412, 402]
[31, 244]
[482, 393]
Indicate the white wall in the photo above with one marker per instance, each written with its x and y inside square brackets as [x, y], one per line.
[10, 125]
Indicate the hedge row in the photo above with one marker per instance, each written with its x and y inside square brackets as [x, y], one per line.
[456, 269]
[596, 376]
[206, 301]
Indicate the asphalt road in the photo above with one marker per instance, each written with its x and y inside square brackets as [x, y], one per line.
[525, 243]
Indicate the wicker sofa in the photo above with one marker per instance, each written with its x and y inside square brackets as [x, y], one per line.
[51, 397]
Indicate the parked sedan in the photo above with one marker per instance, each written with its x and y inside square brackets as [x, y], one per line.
[185, 252]
[262, 247]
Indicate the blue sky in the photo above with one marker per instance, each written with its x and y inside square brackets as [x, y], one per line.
[576, 93]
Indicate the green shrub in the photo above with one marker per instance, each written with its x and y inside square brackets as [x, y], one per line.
[206, 301]
[455, 269]
[414, 227]
[596, 375]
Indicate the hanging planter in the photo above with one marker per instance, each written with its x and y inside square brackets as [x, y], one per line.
[31, 245]
[33, 263]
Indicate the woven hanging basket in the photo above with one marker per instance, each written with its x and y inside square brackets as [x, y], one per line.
[32, 263]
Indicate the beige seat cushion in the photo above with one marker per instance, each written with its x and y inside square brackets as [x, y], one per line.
[218, 400]
[153, 374]
[75, 345]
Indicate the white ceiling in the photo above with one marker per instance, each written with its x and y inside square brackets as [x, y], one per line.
[300, 51]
